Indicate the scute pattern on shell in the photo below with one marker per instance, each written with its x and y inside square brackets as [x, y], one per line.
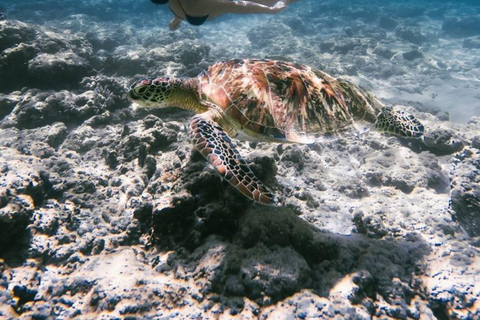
[282, 100]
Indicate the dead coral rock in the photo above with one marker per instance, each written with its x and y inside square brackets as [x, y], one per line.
[261, 37]
[40, 142]
[7, 103]
[21, 190]
[462, 26]
[172, 224]
[202, 207]
[64, 69]
[391, 168]
[370, 225]
[31, 55]
[14, 32]
[443, 142]
[271, 272]
[40, 108]
[264, 167]
[279, 226]
[266, 255]
[387, 23]
[293, 156]
[411, 34]
[151, 134]
[465, 194]
[476, 142]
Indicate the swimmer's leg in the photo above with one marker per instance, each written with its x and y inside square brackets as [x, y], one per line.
[174, 23]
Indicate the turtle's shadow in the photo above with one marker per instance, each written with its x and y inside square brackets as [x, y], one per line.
[235, 249]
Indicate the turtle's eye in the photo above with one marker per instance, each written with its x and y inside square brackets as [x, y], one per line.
[142, 90]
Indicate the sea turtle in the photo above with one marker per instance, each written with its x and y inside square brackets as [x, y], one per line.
[266, 100]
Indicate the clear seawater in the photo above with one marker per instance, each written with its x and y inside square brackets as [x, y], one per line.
[448, 71]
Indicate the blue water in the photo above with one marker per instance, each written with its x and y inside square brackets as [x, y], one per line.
[424, 53]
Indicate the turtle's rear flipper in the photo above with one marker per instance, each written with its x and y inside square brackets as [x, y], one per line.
[214, 144]
[399, 122]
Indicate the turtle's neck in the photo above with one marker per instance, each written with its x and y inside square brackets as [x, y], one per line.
[185, 95]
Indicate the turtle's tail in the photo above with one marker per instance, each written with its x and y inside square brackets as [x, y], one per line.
[399, 122]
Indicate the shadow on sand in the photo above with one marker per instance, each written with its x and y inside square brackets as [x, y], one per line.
[236, 249]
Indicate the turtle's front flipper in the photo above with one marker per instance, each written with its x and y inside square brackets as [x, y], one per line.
[399, 122]
[214, 144]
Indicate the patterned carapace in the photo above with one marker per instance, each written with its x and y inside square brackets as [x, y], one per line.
[280, 100]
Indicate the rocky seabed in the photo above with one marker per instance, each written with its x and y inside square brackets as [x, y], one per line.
[107, 213]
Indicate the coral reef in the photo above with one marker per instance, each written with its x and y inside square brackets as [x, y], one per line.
[106, 212]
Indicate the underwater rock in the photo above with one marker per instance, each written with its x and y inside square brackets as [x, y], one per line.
[82, 139]
[17, 49]
[109, 91]
[412, 55]
[476, 142]
[293, 156]
[274, 273]
[387, 168]
[154, 135]
[37, 108]
[108, 37]
[342, 46]
[254, 263]
[411, 34]
[256, 228]
[156, 57]
[433, 109]
[15, 215]
[465, 193]
[32, 57]
[387, 23]
[14, 66]
[13, 33]
[41, 142]
[263, 166]
[369, 225]
[471, 43]
[442, 142]
[63, 70]
[21, 190]
[353, 189]
[276, 40]
[112, 215]
[298, 25]
[369, 35]
[462, 27]
[191, 54]
[7, 103]
[128, 61]
[384, 52]
[261, 37]
[80, 23]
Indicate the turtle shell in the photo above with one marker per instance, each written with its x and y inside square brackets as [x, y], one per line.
[282, 101]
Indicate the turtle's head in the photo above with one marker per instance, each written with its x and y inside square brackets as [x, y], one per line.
[167, 92]
[156, 92]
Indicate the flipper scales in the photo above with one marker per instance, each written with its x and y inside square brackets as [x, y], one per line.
[214, 144]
